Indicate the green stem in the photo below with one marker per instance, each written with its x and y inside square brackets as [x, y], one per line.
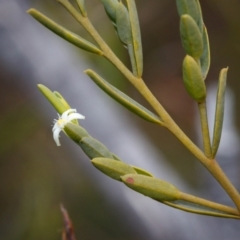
[169, 123]
[205, 130]
[206, 203]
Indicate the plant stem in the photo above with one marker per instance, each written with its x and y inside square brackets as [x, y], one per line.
[169, 123]
[205, 130]
[206, 203]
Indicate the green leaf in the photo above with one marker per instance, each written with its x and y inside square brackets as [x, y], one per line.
[200, 21]
[193, 81]
[192, 8]
[191, 36]
[54, 99]
[112, 168]
[199, 209]
[81, 5]
[123, 98]
[123, 24]
[137, 42]
[94, 149]
[205, 57]
[219, 114]
[151, 187]
[142, 171]
[64, 33]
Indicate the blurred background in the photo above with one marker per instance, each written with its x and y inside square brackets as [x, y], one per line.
[36, 176]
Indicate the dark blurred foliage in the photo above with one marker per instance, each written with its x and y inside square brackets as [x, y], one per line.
[35, 177]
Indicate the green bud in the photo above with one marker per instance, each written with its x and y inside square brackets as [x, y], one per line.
[57, 102]
[75, 132]
[151, 187]
[94, 149]
[123, 24]
[113, 168]
[190, 7]
[142, 171]
[191, 36]
[110, 7]
[193, 80]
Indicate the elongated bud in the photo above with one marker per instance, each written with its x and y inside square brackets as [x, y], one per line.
[193, 80]
[151, 187]
[191, 36]
[54, 99]
[113, 168]
[94, 149]
[110, 7]
[75, 132]
[123, 24]
[192, 8]
[142, 171]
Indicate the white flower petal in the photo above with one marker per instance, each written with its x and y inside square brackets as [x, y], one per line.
[65, 114]
[73, 116]
[59, 124]
[56, 135]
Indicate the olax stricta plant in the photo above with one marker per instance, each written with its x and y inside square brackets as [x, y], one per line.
[195, 69]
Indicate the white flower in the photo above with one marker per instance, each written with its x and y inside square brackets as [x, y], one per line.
[59, 124]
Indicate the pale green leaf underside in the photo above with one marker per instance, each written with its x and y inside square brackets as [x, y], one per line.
[219, 114]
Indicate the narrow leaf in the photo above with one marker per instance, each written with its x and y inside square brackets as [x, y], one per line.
[132, 59]
[64, 33]
[193, 81]
[53, 99]
[205, 57]
[219, 114]
[151, 187]
[191, 36]
[123, 98]
[137, 42]
[81, 5]
[200, 21]
[112, 168]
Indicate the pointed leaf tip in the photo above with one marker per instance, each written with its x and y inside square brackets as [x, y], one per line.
[219, 112]
[123, 99]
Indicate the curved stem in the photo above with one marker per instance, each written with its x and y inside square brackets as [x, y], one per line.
[139, 84]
